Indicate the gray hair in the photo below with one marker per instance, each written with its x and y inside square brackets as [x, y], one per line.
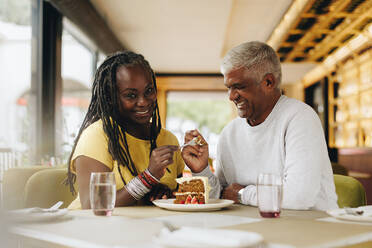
[256, 56]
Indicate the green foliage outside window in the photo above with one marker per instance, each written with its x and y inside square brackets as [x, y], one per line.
[15, 11]
[214, 114]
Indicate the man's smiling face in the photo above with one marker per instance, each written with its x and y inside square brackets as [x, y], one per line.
[247, 93]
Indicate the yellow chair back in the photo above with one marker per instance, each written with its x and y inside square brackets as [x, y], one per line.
[47, 187]
[14, 181]
[350, 192]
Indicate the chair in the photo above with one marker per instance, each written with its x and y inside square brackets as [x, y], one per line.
[339, 169]
[14, 182]
[350, 192]
[45, 188]
[8, 158]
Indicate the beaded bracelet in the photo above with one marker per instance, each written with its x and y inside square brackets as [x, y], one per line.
[150, 177]
[141, 184]
[145, 182]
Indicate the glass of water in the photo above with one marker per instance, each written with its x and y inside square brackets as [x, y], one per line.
[269, 194]
[102, 193]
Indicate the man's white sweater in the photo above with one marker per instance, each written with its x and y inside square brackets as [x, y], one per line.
[290, 142]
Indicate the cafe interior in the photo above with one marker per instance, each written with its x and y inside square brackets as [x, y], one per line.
[325, 49]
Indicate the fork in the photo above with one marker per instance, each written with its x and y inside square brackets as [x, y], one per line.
[192, 142]
[169, 226]
[52, 209]
[353, 211]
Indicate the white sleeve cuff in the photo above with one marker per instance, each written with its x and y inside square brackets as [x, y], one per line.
[249, 196]
[215, 187]
[204, 173]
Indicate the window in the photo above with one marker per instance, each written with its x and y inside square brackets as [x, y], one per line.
[208, 112]
[77, 74]
[15, 78]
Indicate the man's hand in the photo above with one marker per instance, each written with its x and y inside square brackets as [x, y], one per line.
[231, 192]
[195, 157]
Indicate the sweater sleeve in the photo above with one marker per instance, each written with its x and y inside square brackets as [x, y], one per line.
[216, 182]
[306, 153]
[249, 194]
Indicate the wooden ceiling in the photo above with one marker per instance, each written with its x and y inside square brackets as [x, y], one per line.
[190, 37]
[323, 27]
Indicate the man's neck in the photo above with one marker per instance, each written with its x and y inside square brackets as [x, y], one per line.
[257, 121]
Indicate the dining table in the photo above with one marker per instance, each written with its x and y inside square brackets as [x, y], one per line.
[140, 226]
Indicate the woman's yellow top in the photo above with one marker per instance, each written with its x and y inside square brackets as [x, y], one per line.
[93, 143]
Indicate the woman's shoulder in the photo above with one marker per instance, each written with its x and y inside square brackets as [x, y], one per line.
[97, 125]
[93, 130]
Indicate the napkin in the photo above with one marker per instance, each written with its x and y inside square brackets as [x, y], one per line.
[36, 214]
[205, 237]
[34, 210]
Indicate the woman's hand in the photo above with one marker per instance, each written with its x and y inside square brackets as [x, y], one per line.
[160, 158]
[159, 191]
[195, 157]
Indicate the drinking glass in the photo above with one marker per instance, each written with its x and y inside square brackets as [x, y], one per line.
[269, 194]
[102, 193]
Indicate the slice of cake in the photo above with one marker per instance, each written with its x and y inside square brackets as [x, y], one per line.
[192, 190]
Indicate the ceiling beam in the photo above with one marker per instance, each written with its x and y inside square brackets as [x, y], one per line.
[85, 16]
[288, 22]
[320, 27]
[348, 27]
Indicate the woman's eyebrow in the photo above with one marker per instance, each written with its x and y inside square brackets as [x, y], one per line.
[150, 84]
[128, 89]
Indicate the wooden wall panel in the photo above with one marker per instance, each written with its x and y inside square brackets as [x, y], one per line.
[359, 164]
[191, 83]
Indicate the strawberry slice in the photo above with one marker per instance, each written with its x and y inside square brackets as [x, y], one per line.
[188, 199]
[194, 200]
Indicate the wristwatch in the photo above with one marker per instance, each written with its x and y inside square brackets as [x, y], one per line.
[240, 195]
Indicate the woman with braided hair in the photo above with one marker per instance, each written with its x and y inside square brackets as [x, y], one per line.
[122, 132]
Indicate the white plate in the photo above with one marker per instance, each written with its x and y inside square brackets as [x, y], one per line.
[194, 237]
[212, 205]
[341, 214]
[25, 215]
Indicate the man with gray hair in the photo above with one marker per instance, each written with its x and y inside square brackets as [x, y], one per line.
[273, 134]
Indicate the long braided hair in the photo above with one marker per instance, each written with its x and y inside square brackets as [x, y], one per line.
[104, 105]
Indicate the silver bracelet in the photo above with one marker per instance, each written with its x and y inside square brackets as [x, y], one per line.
[136, 188]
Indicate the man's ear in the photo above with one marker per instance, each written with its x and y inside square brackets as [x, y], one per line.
[270, 81]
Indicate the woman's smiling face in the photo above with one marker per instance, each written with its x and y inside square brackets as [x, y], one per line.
[137, 94]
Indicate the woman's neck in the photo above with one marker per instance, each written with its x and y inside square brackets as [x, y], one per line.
[139, 131]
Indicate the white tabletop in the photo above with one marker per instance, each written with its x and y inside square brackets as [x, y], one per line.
[137, 226]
